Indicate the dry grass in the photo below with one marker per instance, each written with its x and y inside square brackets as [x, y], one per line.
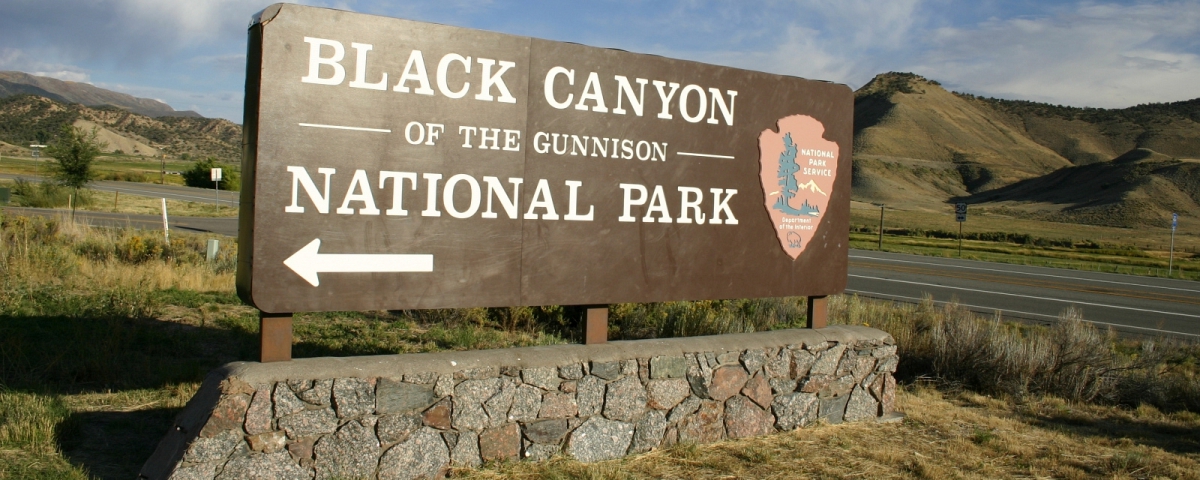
[964, 435]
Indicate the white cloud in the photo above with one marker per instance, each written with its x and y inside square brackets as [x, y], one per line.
[1093, 55]
[15, 59]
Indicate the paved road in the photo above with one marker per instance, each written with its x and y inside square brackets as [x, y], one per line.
[1140, 305]
[154, 190]
[222, 226]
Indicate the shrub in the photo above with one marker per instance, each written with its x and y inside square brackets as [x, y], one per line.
[200, 175]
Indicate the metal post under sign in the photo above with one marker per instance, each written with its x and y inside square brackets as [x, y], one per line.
[1171, 259]
[960, 215]
[215, 174]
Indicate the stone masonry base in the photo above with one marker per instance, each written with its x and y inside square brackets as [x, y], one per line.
[413, 416]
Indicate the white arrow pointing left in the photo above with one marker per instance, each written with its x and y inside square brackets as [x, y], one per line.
[308, 263]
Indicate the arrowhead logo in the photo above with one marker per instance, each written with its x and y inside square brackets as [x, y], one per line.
[307, 263]
[798, 168]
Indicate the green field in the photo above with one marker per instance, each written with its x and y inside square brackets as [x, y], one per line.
[105, 335]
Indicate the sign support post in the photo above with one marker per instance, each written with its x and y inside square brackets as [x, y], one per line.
[1171, 259]
[960, 215]
[596, 325]
[274, 337]
[881, 227]
[818, 312]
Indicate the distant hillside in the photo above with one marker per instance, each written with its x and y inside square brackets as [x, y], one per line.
[919, 146]
[22, 117]
[17, 83]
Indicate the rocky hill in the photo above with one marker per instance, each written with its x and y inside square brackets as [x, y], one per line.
[25, 118]
[920, 146]
[18, 83]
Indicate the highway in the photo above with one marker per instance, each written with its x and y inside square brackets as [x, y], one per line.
[1130, 304]
[153, 190]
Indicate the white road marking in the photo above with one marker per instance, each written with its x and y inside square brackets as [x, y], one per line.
[706, 155]
[343, 127]
[1026, 273]
[1027, 296]
[887, 295]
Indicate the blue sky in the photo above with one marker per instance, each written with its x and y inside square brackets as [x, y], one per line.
[191, 53]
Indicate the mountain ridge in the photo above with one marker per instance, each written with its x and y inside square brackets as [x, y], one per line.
[17, 83]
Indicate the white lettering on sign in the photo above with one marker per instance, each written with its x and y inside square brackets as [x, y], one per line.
[414, 78]
[710, 101]
[690, 199]
[601, 147]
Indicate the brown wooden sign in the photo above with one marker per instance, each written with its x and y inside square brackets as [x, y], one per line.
[392, 164]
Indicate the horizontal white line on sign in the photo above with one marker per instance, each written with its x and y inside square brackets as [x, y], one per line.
[705, 155]
[342, 127]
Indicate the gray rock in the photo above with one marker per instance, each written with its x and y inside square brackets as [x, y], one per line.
[759, 390]
[727, 358]
[573, 371]
[468, 403]
[827, 362]
[309, 423]
[599, 439]
[299, 385]
[401, 397]
[625, 400]
[668, 367]
[780, 386]
[466, 451]
[862, 406]
[712, 360]
[839, 386]
[267, 442]
[802, 362]
[665, 394]
[352, 452]
[754, 359]
[213, 448]
[527, 400]
[794, 410]
[543, 377]
[558, 405]
[259, 415]
[884, 351]
[478, 373]
[497, 407]
[538, 453]
[629, 366]
[833, 409]
[745, 419]
[888, 364]
[397, 427]
[819, 347]
[318, 394]
[779, 365]
[444, 386]
[681, 411]
[607, 370]
[424, 455]
[699, 375]
[286, 402]
[648, 433]
[195, 471]
[353, 397]
[424, 378]
[271, 466]
[589, 395]
[546, 431]
[862, 367]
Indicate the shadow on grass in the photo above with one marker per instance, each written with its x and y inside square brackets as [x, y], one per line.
[113, 445]
[1166, 436]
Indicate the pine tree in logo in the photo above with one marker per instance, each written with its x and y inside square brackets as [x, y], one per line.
[787, 177]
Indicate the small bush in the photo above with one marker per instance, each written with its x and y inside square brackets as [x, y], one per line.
[200, 175]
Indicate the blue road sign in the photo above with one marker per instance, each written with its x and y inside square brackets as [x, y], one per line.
[1174, 221]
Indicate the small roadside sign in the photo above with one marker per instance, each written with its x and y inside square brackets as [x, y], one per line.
[1174, 221]
[960, 212]
[216, 174]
